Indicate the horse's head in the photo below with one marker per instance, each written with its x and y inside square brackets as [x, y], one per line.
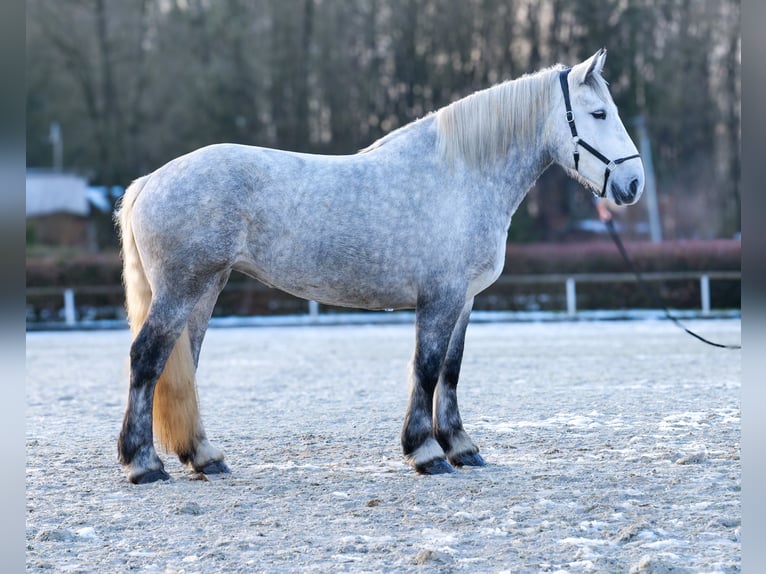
[589, 139]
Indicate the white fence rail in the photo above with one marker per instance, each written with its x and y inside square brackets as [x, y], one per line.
[570, 282]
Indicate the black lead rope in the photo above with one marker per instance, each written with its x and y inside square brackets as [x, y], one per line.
[610, 165]
[652, 294]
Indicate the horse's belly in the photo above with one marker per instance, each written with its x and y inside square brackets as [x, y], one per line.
[365, 289]
[359, 295]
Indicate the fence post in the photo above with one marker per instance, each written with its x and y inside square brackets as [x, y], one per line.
[705, 294]
[69, 309]
[313, 309]
[571, 297]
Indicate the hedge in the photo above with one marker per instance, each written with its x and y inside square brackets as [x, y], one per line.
[603, 256]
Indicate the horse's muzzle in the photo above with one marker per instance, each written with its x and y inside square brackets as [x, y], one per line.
[627, 195]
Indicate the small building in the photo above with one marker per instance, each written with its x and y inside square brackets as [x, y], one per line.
[59, 208]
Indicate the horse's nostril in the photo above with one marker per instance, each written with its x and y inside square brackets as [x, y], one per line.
[634, 187]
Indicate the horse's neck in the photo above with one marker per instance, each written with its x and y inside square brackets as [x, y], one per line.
[497, 138]
[510, 183]
[504, 185]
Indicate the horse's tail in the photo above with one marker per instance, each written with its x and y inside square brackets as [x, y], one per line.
[138, 293]
[175, 413]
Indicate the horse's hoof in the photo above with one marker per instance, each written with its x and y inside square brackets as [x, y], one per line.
[151, 476]
[216, 467]
[437, 466]
[468, 459]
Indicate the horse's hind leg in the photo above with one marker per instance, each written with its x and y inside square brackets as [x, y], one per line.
[434, 325]
[189, 440]
[448, 426]
[149, 354]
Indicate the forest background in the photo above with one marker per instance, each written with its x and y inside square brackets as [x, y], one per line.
[133, 84]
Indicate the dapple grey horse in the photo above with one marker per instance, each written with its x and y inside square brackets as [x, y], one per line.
[418, 220]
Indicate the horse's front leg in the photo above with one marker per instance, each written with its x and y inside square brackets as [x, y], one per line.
[448, 426]
[435, 321]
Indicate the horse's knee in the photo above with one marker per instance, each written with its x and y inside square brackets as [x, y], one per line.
[426, 370]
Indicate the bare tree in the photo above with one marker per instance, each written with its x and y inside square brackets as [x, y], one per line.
[136, 83]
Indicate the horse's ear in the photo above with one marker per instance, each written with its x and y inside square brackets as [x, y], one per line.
[592, 65]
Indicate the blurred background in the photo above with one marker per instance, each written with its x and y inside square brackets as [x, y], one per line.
[116, 88]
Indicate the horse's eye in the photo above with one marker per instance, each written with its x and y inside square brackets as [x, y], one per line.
[599, 115]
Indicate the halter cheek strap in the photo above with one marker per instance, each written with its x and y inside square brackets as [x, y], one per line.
[610, 165]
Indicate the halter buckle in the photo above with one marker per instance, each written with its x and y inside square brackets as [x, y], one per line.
[570, 116]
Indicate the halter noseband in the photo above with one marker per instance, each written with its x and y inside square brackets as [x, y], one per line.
[610, 165]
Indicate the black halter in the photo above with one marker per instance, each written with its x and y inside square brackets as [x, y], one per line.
[610, 165]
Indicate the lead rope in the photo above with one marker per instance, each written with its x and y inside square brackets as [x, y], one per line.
[652, 294]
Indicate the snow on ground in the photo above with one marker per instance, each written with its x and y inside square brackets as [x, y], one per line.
[611, 447]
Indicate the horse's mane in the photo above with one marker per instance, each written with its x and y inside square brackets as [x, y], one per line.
[479, 128]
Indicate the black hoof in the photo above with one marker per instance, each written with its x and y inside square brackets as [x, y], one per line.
[438, 466]
[468, 459]
[151, 476]
[217, 467]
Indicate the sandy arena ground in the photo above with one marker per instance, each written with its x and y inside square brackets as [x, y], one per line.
[611, 447]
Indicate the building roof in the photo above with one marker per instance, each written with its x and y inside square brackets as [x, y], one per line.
[56, 192]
